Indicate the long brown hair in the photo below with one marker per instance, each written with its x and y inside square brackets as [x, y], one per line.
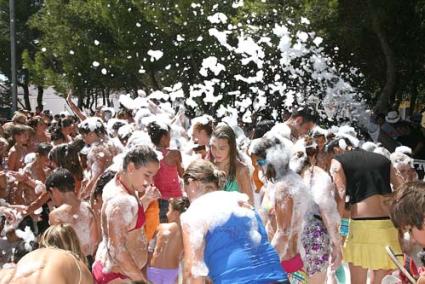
[224, 131]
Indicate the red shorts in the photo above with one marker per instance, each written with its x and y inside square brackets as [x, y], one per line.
[103, 278]
[292, 265]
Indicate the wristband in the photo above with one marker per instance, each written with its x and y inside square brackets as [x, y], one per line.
[344, 228]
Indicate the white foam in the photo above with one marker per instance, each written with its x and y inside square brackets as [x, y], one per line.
[201, 218]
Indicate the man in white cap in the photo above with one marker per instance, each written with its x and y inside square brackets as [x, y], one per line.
[388, 127]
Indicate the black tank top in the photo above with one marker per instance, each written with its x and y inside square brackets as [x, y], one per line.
[366, 173]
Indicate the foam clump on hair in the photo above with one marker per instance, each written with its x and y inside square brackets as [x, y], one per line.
[161, 121]
[141, 114]
[91, 124]
[280, 131]
[298, 156]
[399, 158]
[279, 157]
[404, 149]
[125, 130]
[204, 120]
[383, 151]
[201, 218]
[139, 138]
[112, 124]
[127, 102]
[369, 146]
[317, 131]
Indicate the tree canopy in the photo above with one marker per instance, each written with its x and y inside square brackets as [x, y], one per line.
[258, 56]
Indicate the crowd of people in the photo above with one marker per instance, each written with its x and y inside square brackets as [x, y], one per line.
[146, 195]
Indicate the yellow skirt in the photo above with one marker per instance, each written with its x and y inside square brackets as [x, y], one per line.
[366, 242]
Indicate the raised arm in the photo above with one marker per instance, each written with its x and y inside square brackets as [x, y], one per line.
[338, 176]
[75, 109]
[283, 211]
[179, 163]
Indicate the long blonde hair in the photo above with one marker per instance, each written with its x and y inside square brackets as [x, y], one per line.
[62, 236]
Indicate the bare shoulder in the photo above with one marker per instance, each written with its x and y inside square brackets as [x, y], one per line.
[6, 275]
[175, 154]
[166, 227]
[241, 169]
[12, 151]
[60, 214]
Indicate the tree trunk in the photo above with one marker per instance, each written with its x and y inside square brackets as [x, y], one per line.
[27, 96]
[413, 98]
[390, 76]
[40, 91]
[154, 81]
[103, 97]
[80, 101]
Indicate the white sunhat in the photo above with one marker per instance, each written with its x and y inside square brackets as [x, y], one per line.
[392, 117]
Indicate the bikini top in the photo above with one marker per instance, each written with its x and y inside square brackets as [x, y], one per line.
[231, 185]
[141, 217]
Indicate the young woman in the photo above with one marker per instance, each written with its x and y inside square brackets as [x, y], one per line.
[19, 150]
[224, 154]
[288, 199]
[167, 247]
[40, 129]
[59, 260]
[100, 154]
[67, 156]
[223, 236]
[202, 129]
[122, 252]
[320, 237]
[167, 178]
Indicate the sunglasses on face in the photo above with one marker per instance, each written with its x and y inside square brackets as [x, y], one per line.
[261, 162]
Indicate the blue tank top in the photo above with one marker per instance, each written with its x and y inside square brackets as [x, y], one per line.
[232, 257]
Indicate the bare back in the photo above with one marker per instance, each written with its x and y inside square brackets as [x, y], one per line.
[82, 221]
[169, 247]
[50, 265]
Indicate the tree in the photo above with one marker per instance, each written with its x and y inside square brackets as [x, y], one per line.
[26, 39]
[383, 38]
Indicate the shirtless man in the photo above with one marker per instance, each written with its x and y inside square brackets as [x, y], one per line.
[70, 210]
[122, 252]
[100, 155]
[301, 122]
[164, 264]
